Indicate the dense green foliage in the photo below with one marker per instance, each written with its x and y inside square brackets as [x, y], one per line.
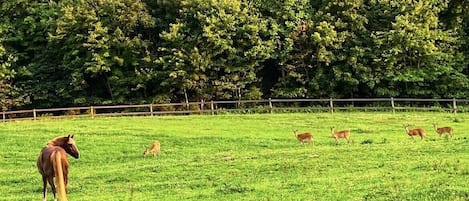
[82, 52]
[245, 157]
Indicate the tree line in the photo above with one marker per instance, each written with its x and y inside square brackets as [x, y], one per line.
[56, 53]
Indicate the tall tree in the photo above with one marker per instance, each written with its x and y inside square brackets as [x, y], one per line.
[456, 18]
[317, 65]
[287, 21]
[27, 23]
[9, 96]
[213, 49]
[100, 43]
[421, 53]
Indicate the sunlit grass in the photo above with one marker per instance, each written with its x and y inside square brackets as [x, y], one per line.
[245, 157]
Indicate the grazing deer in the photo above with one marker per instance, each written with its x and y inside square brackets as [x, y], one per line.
[416, 131]
[340, 134]
[443, 130]
[303, 136]
[154, 149]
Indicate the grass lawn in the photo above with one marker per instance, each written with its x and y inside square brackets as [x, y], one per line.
[245, 157]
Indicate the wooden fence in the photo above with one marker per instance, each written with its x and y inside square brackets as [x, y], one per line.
[245, 106]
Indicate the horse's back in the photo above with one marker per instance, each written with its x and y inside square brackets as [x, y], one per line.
[45, 162]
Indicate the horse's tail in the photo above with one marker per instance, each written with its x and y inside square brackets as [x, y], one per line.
[60, 176]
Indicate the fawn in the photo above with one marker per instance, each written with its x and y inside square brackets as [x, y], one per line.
[416, 131]
[443, 130]
[154, 149]
[340, 134]
[303, 136]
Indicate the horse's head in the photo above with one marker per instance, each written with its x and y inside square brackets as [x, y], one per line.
[70, 147]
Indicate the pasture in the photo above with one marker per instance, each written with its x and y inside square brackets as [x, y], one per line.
[245, 157]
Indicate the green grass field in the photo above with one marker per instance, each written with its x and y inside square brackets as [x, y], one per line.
[265, 161]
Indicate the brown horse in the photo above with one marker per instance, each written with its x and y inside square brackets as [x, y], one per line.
[52, 162]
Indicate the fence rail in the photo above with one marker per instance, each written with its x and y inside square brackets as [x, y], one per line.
[267, 106]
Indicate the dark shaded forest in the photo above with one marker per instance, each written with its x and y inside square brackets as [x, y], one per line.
[59, 53]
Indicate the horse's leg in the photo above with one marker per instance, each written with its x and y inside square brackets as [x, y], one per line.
[52, 186]
[65, 174]
[65, 181]
[44, 188]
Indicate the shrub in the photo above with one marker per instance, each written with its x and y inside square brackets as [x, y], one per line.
[367, 141]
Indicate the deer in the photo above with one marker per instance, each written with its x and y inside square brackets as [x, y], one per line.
[303, 136]
[448, 130]
[154, 149]
[416, 131]
[340, 134]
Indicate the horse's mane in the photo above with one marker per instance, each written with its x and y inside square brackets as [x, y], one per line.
[58, 141]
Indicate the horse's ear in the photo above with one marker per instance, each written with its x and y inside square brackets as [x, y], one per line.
[68, 136]
[72, 136]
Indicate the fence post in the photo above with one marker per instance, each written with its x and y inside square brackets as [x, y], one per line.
[331, 104]
[211, 107]
[92, 111]
[270, 106]
[454, 105]
[4, 116]
[34, 114]
[187, 99]
[151, 109]
[392, 105]
[202, 105]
